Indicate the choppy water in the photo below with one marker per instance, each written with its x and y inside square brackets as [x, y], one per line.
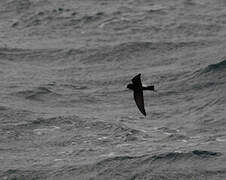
[65, 112]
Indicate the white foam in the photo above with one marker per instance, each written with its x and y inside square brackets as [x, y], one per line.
[42, 131]
[58, 159]
[125, 144]
[102, 138]
[185, 141]
[108, 155]
[221, 139]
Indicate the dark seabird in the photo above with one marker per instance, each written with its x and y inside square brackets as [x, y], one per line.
[138, 88]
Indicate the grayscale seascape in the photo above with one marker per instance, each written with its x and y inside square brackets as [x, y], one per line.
[65, 111]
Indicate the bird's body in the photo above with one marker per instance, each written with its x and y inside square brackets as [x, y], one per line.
[150, 88]
[138, 88]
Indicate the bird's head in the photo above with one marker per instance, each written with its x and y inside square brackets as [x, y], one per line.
[130, 86]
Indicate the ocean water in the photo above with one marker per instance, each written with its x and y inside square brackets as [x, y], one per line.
[65, 112]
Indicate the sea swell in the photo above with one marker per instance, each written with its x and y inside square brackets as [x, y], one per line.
[134, 167]
[65, 111]
[129, 51]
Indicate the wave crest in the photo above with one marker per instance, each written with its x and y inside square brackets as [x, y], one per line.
[221, 66]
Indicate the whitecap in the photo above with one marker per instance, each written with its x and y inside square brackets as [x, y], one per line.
[221, 139]
[102, 138]
[108, 155]
[42, 131]
[185, 141]
[125, 144]
[58, 159]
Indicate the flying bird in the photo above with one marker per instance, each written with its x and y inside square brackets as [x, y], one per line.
[138, 88]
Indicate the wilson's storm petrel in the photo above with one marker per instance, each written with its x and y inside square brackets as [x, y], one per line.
[138, 88]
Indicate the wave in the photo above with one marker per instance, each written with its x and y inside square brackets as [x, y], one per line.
[17, 6]
[3, 108]
[41, 121]
[200, 154]
[12, 117]
[132, 50]
[210, 77]
[60, 17]
[218, 67]
[154, 166]
[170, 165]
[210, 72]
[31, 55]
[175, 137]
[43, 57]
[196, 29]
[85, 123]
[25, 174]
[37, 94]
[118, 131]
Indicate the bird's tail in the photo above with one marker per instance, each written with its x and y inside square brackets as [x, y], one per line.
[151, 88]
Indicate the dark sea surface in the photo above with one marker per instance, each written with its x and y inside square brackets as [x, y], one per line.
[65, 112]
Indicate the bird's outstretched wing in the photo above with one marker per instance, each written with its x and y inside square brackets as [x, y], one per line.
[139, 99]
[136, 81]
